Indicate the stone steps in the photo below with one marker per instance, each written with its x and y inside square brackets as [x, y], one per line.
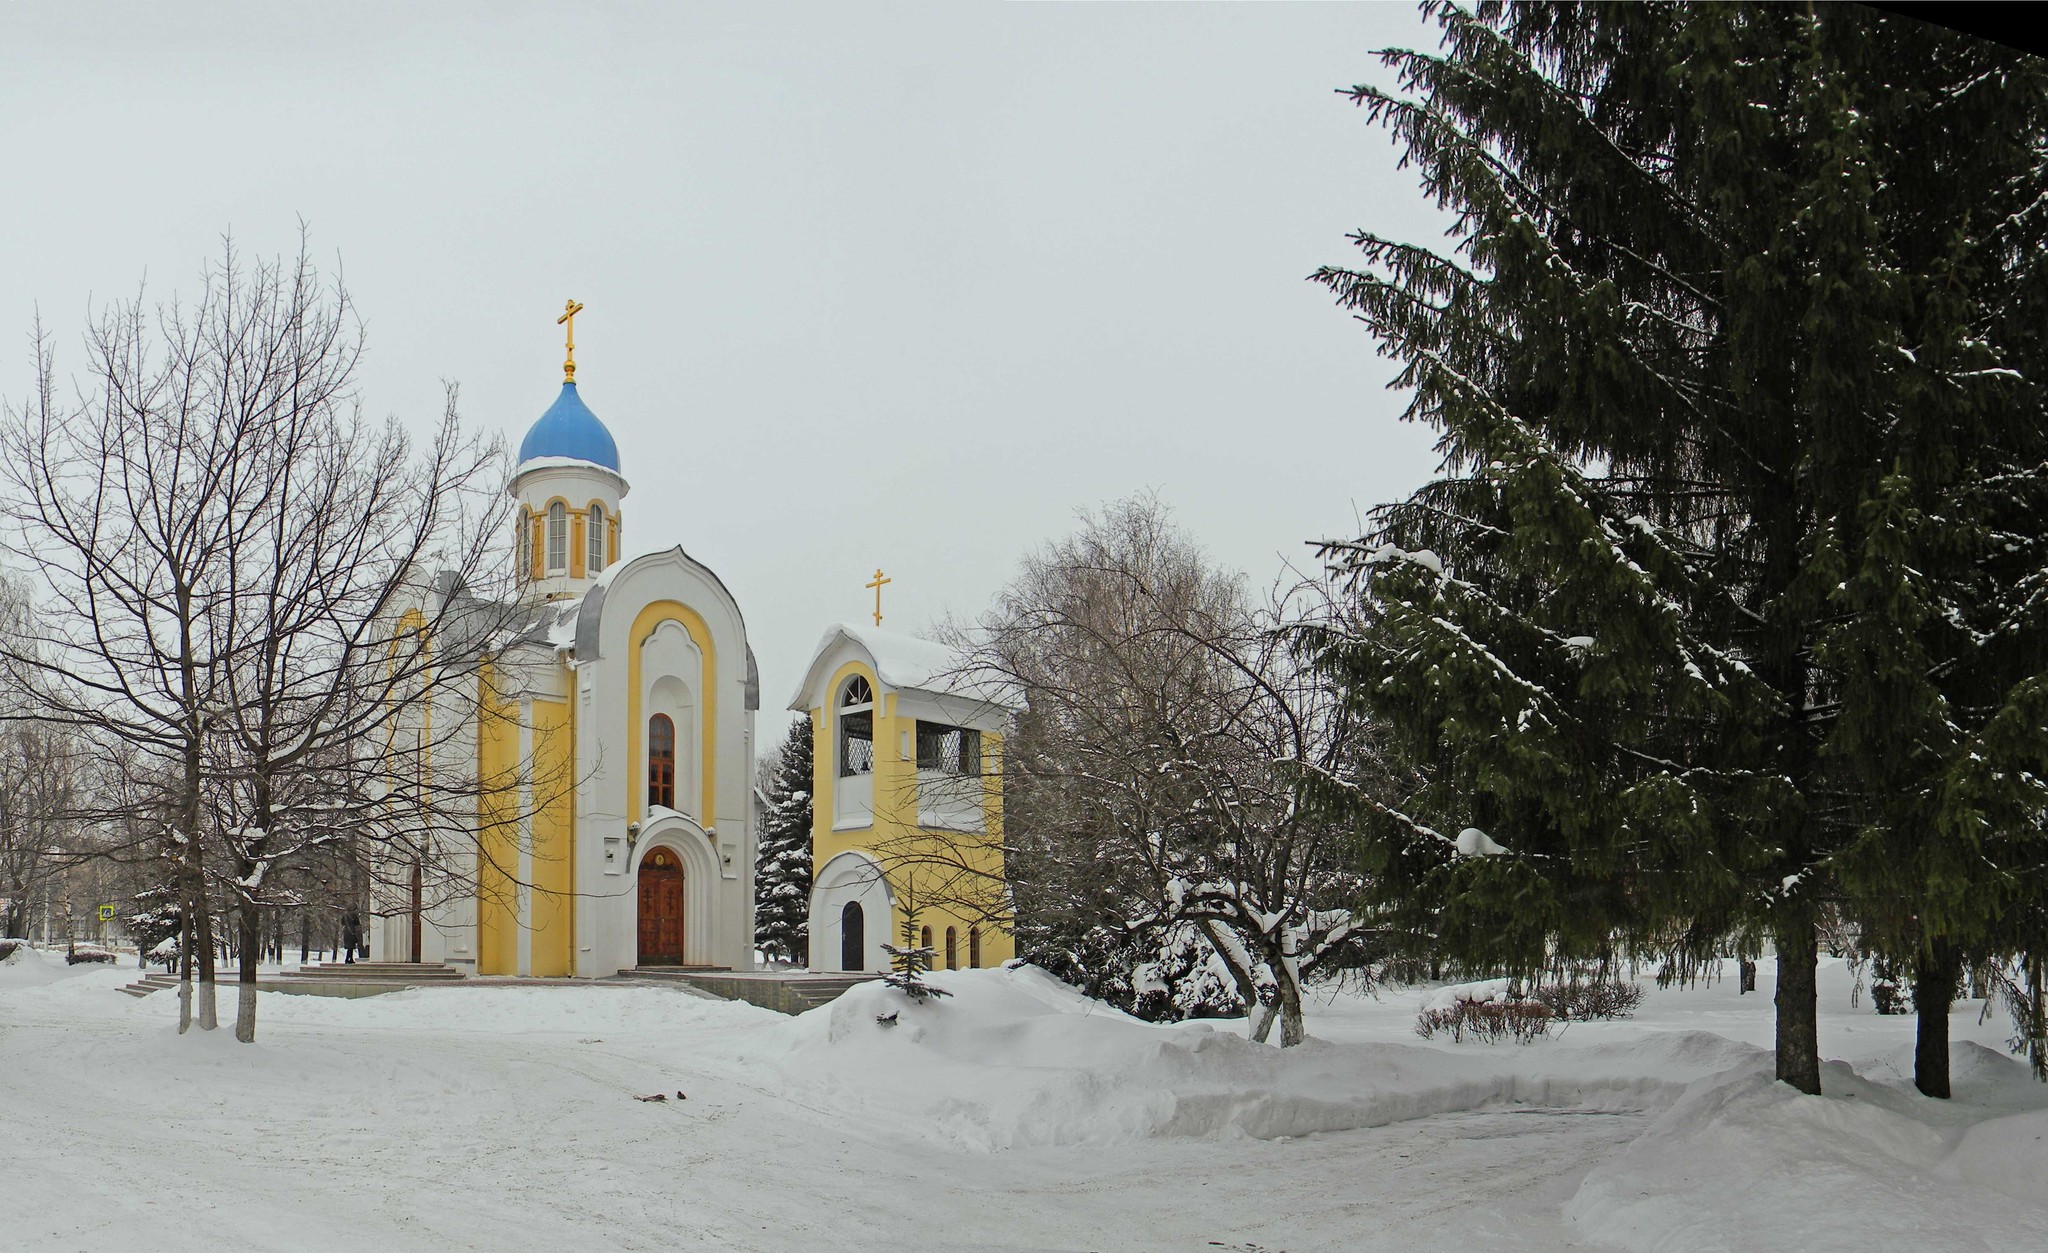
[785, 993]
[151, 983]
[380, 972]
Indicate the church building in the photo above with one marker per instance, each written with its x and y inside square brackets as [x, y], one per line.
[606, 751]
[612, 735]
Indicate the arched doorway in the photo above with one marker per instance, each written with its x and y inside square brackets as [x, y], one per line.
[853, 940]
[661, 909]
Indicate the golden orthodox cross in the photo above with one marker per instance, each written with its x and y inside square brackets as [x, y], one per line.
[568, 319]
[877, 585]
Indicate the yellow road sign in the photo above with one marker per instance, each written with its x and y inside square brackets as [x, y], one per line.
[106, 913]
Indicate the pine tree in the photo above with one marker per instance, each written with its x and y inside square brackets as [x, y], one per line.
[782, 865]
[1733, 369]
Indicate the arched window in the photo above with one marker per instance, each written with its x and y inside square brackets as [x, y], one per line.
[974, 948]
[925, 941]
[661, 762]
[952, 963]
[856, 728]
[558, 538]
[522, 545]
[593, 561]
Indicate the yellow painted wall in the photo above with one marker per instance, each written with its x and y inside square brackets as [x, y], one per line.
[553, 918]
[497, 750]
[895, 829]
[504, 779]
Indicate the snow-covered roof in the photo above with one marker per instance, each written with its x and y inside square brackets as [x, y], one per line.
[904, 662]
[551, 622]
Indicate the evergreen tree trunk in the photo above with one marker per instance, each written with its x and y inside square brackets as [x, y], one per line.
[1798, 1001]
[1934, 990]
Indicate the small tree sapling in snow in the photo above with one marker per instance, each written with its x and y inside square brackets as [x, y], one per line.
[909, 964]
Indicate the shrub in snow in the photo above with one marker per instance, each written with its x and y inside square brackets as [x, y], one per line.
[8, 948]
[1580, 1000]
[83, 954]
[1491, 1011]
[1487, 1021]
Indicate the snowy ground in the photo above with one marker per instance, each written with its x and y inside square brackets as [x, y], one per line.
[1014, 1115]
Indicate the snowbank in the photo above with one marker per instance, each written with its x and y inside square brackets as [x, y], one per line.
[1741, 1161]
[1015, 1059]
[442, 1118]
[27, 967]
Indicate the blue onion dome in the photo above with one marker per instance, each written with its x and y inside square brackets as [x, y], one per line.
[570, 429]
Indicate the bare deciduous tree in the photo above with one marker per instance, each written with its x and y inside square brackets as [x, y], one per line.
[225, 546]
[1162, 773]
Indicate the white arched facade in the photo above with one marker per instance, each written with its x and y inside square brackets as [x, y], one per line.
[669, 662]
[850, 878]
[686, 841]
[658, 635]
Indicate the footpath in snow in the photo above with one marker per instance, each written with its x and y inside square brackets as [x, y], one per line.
[1014, 1114]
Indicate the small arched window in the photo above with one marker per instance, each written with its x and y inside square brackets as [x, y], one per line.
[661, 762]
[856, 728]
[925, 941]
[593, 560]
[558, 538]
[522, 545]
[974, 948]
[952, 962]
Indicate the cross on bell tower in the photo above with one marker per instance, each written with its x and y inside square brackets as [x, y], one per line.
[877, 585]
[568, 319]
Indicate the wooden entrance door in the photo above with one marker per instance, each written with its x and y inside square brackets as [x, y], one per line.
[661, 909]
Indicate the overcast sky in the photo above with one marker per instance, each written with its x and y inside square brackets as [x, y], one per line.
[900, 285]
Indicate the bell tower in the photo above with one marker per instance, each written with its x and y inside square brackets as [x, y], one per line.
[568, 486]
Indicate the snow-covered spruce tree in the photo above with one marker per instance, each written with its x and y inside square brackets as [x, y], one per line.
[782, 861]
[156, 919]
[1713, 319]
[1160, 974]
